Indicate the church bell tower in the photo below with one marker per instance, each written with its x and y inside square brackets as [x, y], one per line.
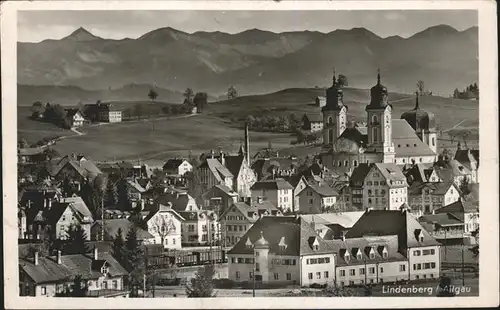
[334, 113]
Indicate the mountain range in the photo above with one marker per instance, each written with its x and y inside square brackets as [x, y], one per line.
[254, 61]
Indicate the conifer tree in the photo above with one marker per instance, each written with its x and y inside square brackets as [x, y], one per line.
[202, 285]
[75, 242]
[118, 248]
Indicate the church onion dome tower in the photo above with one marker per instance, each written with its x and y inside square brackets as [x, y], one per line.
[378, 94]
[419, 119]
[261, 242]
[334, 97]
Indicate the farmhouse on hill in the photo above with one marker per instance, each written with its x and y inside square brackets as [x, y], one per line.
[312, 122]
[103, 112]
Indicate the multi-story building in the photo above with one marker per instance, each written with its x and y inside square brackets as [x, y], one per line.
[238, 219]
[315, 198]
[421, 250]
[220, 197]
[379, 186]
[213, 172]
[164, 224]
[465, 210]
[424, 198]
[75, 117]
[200, 227]
[48, 276]
[282, 250]
[278, 191]
[470, 159]
[103, 112]
[275, 167]
[312, 122]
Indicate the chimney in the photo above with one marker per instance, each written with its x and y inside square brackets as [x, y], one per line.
[49, 203]
[59, 257]
[313, 224]
[247, 144]
[212, 153]
[36, 258]
[95, 253]
[142, 204]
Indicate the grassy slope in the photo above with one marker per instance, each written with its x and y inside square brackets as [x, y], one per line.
[217, 128]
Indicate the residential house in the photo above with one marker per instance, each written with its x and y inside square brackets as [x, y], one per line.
[453, 171]
[134, 191]
[315, 198]
[75, 117]
[424, 198]
[47, 276]
[179, 200]
[282, 250]
[200, 227]
[213, 172]
[103, 112]
[237, 219]
[465, 210]
[164, 223]
[379, 186]
[22, 225]
[76, 168]
[423, 173]
[444, 227]
[312, 122]
[469, 158]
[420, 249]
[278, 191]
[60, 216]
[220, 197]
[331, 226]
[112, 226]
[31, 155]
[177, 166]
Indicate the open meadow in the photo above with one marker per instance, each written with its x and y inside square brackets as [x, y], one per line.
[221, 126]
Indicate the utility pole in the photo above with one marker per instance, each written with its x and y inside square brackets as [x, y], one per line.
[144, 285]
[254, 262]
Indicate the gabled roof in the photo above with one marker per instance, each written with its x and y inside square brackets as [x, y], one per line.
[79, 206]
[179, 201]
[448, 170]
[264, 166]
[246, 210]
[275, 184]
[85, 167]
[314, 117]
[72, 112]
[442, 219]
[173, 163]
[391, 172]
[406, 142]
[323, 190]
[218, 170]
[134, 184]
[298, 236]
[159, 208]
[48, 271]
[226, 190]
[344, 219]
[359, 173]
[199, 215]
[388, 222]
[233, 163]
[466, 157]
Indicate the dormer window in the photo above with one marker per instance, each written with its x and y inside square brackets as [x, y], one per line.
[359, 256]
[372, 255]
[104, 269]
[249, 243]
[347, 257]
[282, 244]
[385, 253]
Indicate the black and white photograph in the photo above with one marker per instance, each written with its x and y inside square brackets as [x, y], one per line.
[182, 152]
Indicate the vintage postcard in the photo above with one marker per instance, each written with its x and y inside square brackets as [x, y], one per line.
[201, 154]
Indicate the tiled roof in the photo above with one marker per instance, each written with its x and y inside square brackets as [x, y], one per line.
[161, 208]
[359, 174]
[387, 222]
[391, 172]
[113, 225]
[323, 190]
[344, 219]
[356, 134]
[295, 233]
[234, 163]
[465, 157]
[179, 201]
[199, 215]
[447, 171]
[218, 170]
[48, 271]
[275, 184]
[86, 168]
[406, 142]
[30, 151]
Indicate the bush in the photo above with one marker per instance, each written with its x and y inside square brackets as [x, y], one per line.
[317, 285]
[224, 283]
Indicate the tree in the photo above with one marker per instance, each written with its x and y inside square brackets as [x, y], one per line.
[195, 187]
[456, 93]
[111, 194]
[188, 94]
[342, 80]
[464, 186]
[123, 198]
[50, 153]
[202, 285]
[37, 107]
[232, 92]
[421, 87]
[75, 241]
[152, 94]
[22, 144]
[118, 248]
[163, 226]
[79, 288]
[134, 258]
[200, 101]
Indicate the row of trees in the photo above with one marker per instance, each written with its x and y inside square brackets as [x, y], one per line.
[52, 113]
[306, 137]
[289, 123]
[470, 92]
[200, 100]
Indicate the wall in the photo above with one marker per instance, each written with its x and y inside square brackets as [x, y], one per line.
[374, 273]
[391, 197]
[246, 178]
[285, 199]
[184, 167]
[315, 268]
[421, 259]
[233, 217]
[67, 219]
[403, 160]
[172, 239]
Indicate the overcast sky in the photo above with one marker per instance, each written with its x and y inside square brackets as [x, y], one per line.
[34, 26]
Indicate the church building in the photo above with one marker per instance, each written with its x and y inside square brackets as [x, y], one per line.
[411, 139]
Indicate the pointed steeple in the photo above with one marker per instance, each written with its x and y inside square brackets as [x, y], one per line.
[378, 76]
[416, 101]
[334, 77]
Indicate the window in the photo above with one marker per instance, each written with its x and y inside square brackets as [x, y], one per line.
[385, 254]
[318, 275]
[43, 290]
[427, 266]
[372, 255]
[402, 267]
[293, 262]
[381, 269]
[416, 253]
[368, 182]
[433, 141]
[105, 284]
[361, 271]
[237, 274]
[257, 267]
[369, 192]
[233, 260]
[229, 228]
[288, 276]
[419, 266]
[342, 273]
[173, 241]
[276, 276]
[250, 275]
[433, 265]
[310, 276]
[257, 253]
[311, 201]
[351, 282]
[341, 283]
[326, 274]
[359, 256]
[115, 284]
[352, 272]
[369, 200]
[371, 270]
